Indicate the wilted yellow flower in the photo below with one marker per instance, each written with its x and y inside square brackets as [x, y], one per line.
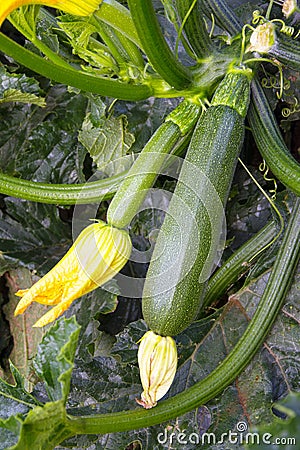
[157, 358]
[289, 7]
[75, 7]
[97, 255]
[262, 38]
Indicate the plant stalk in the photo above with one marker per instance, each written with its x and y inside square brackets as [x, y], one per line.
[157, 50]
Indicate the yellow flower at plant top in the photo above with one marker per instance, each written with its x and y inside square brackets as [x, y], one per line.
[289, 7]
[262, 38]
[75, 7]
[157, 358]
[97, 255]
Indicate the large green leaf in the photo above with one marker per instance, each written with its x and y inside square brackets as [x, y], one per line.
[32, 234]
[44, 425]
[19, 88]
[106, 139]
[41, 144]
[54, 360]
[11, 416]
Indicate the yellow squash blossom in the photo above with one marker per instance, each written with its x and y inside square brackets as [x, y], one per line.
[97, 255]
[75, 7]
[262, 38]
[289, 7]
[157, 358]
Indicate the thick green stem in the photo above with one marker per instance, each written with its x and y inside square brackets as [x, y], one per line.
[112, 41]
[269, 140]
[238, 264]
[61, 194]
[85, 82]
[160, 55]
[118, 17]
[227, 371]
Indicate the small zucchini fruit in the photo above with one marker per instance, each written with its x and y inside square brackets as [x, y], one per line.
[187, 243]
[147, 166]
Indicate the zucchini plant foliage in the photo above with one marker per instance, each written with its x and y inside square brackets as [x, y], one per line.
[79, 99]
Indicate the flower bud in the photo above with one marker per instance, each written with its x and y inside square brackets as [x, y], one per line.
[157, 358]
[262, 38]
[97, 255]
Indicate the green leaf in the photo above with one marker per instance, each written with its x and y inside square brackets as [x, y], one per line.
[87, 311]
[11, 416]
[79, 31]
[43, 427]
[41, 144]
[24, 19]
[13, 95]
[19, 88]
[33, 234]
[54, 360]
[281, 433]
[17, 391]
[107, 140]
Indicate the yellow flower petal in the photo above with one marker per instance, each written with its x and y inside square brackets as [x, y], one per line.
[262, 38]
[289, 7]
[97, 255]
[75, 7]
[157, 358]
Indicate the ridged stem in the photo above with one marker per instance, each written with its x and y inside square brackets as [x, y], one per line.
[70, 77]
[287, 51]
[269, 140]
[154, 44]
[60, 194]
[118, 17]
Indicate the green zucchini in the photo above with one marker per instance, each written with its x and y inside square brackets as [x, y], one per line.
[269, 140]
[188, 241]
[147, 166]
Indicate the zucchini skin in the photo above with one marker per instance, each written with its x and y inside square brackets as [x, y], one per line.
[270, 142]
[172, 290]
